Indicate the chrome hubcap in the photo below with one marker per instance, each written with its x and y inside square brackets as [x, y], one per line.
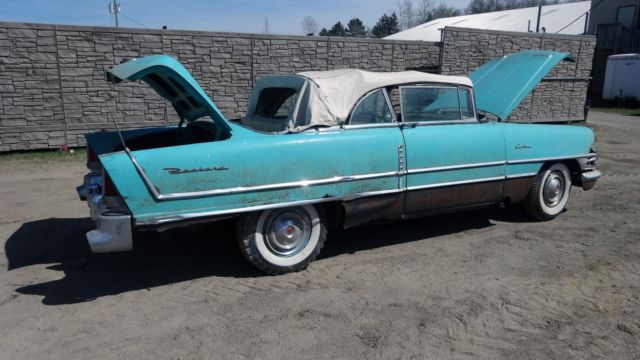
[553, 190]
[287, 232]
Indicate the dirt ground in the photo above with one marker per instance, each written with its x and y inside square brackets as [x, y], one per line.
[482, 285]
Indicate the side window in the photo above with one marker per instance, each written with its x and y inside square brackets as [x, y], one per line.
[429, 104]
[372, 110]
[466, 103]
[433, 103]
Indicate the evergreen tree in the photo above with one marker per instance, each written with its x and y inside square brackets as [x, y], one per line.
[386, 25]
[356, 28]
[337, 30]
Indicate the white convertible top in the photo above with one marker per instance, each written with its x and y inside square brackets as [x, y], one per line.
[327, 97]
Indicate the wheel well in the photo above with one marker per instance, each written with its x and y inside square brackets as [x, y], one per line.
[574, 169]
[333, 213]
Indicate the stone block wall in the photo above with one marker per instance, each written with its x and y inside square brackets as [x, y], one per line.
[561, 95]
[53, 87]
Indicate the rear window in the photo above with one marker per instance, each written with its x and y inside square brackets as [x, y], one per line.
[276, 102]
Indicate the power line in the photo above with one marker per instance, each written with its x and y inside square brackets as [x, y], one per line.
[134, 20]
[581, 15]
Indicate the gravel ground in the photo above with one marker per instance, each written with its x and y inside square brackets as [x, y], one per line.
[482, 285]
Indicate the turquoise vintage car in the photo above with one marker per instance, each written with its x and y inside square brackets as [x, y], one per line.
[326, 149]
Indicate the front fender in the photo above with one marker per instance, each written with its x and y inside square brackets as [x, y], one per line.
[529, 146]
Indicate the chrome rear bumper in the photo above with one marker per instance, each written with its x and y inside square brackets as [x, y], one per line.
[109, 213]
[113, 221]
[113, 233]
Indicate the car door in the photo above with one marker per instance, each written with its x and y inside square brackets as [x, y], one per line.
[452, 160]
[373, 118]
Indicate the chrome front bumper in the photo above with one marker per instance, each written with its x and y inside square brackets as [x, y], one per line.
[589, 179]
[111, 216]
[589, 175]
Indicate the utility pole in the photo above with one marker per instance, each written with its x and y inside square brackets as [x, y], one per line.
[539, 14]
[114, 8]
[267, 28]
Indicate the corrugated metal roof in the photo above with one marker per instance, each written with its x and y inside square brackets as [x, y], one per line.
[554, 18]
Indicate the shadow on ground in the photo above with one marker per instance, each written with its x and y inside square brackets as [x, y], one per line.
[190, 253]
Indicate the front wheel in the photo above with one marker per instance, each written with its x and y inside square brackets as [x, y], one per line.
[549, 193]
[283, 240]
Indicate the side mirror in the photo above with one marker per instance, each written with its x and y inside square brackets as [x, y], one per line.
[483, 118]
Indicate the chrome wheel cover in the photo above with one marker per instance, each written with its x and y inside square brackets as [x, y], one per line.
[553, 190]
[287, 231]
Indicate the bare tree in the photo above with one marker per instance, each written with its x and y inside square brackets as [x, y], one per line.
[309, 25]
[414, 12]
[424, 11]
[406, 15]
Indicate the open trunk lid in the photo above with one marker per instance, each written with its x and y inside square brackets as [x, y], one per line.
[501, 84]
[173, 82]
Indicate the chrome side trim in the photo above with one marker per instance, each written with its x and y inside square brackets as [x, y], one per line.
[187, 216]
[145, 179]
[401, 166]
[243, 189]
[167, 219]
[155, 192]
[455, 167]
[517, 176]
[451, 183]
[543, 159]
[279, 186]
[369, 126]
[440, 122]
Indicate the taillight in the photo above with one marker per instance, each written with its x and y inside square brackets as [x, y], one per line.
[108, 188]
[91, 155]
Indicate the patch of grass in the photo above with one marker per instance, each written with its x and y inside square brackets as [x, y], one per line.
[45, 156]
[618, 110]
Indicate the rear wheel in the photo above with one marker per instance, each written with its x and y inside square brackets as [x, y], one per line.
[283, 240]
[549, 193]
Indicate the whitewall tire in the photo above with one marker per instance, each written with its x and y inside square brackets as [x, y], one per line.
[282, 240]
[549, 193]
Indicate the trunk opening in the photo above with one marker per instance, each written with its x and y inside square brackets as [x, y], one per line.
[192, 132]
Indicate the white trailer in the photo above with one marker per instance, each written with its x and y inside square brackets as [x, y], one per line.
[622, 77]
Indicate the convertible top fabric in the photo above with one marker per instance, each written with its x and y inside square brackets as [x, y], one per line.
[326, 98]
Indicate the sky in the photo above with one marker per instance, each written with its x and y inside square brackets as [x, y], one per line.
[284, 16]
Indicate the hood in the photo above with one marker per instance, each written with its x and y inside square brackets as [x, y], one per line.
[173, 82]
[501, 84]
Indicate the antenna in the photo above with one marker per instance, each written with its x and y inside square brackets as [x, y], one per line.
[114, 8]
